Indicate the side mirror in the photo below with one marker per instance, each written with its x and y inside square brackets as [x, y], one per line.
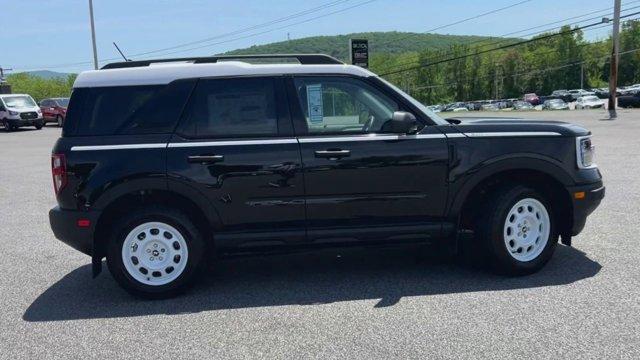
[2, 108]
[403, 122]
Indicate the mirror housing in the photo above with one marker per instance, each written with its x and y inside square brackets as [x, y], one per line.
[2, 108]
[403, 122]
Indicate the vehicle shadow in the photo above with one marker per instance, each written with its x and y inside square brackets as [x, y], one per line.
[386, 275]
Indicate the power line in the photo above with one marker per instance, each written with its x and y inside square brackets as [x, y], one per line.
[516, 32]
[274, 29]
[523, 74]
[279, 20]
[457, 22]
[499, 48]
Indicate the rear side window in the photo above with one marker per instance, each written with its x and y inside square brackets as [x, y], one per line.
[119, 110]
[232, 108]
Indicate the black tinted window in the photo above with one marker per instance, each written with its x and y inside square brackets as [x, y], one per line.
[232, 108]
[130, 109]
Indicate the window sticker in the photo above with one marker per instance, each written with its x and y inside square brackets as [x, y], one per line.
[314, 100]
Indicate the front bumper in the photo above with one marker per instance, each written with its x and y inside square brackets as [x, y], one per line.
[583, 207]
[64, 224]
[21, 123]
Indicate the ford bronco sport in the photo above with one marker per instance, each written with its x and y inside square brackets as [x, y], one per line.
[163, 164]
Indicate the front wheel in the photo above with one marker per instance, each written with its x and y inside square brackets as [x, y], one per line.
[518, 231]
[155, 252]
[59, 121]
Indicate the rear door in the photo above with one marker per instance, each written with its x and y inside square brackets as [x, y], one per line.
[363, 182]
[235, 147]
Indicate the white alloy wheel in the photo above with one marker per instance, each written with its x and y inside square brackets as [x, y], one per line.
[154, 253]
[526, 229]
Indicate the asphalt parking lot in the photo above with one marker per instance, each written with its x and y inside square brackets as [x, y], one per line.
[333, 304]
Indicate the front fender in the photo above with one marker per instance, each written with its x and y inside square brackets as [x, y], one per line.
[466, 181]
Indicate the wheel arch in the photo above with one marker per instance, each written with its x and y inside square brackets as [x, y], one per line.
[541, 174]
[197, 208]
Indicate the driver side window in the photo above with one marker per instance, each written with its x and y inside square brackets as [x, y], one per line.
[341, 105]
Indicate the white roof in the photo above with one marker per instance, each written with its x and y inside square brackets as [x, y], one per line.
[164, 73]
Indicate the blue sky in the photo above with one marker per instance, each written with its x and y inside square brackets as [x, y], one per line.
[49, 34]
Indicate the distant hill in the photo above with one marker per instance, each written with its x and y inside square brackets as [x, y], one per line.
[46, 74]
[379, 42]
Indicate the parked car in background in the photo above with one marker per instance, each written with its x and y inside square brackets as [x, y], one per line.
[456, 107]
[555, 104]
[19, 110]
[629, 101]
[54, 110]
[565, 95]
[522, 105]
[630, 90]
[577, 93]
[531, 98]
[490, 107]
[589, 102]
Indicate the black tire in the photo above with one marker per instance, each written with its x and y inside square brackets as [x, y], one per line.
[38, 125]
[59, 121]
[194, 241]
[491, 227]
[6, 125]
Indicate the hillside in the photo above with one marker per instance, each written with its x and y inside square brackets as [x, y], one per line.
[379, 42]
[46, 74]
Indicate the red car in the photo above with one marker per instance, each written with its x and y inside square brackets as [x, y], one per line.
[532, 99]
[54, 110]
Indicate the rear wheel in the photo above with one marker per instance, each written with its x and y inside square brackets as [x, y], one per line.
[155, 252]
[59, 120]
[518, 230]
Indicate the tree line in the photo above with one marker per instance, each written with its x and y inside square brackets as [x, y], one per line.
[563, 61]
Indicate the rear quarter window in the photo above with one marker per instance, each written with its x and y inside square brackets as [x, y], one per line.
[152, 109]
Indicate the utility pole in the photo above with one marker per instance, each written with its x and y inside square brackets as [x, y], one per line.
[582, 75]
[93, 36]
[613, 71]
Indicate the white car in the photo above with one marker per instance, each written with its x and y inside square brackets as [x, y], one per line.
[18, 110]
[589, 102]
[578, 93]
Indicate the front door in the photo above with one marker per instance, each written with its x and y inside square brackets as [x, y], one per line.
[363, 182]
[235, 146]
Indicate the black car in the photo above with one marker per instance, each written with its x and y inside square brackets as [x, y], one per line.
[629, 101]
[162, 169]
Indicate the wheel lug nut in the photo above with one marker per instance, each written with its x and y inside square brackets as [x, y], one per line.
[148, 250]
[162, 250]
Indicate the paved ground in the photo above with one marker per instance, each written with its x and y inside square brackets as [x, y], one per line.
[353, 304]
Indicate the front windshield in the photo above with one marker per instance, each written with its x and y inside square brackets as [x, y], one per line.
[64, 102]
[590, 98]
[19, 101]
[433, 116]
[556, 101]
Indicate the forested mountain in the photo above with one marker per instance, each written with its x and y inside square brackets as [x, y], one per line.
[392, 42]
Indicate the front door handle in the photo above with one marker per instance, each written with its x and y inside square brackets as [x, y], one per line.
[205, 159]
[333, 154]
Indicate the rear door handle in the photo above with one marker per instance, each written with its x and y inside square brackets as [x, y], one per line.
[205, 159]
[332, 154]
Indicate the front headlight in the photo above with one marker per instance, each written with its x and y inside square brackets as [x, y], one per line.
[585, 152]
[13, 113]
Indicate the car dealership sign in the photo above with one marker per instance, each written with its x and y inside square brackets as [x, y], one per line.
[359, 52]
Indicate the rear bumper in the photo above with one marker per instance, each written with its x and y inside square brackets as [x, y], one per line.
[64, 224]
[593, 195]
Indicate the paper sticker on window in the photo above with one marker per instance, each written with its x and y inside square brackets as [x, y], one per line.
[314, 99]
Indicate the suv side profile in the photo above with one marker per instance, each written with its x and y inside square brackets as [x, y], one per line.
[216, 156]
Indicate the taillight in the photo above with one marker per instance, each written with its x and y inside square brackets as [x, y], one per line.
[59, 172]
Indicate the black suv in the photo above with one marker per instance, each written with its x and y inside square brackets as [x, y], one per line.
[164, 164]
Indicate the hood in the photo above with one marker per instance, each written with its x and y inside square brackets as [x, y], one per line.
[491, 125]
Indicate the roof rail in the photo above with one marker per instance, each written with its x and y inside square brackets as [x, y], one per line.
[304, 59]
